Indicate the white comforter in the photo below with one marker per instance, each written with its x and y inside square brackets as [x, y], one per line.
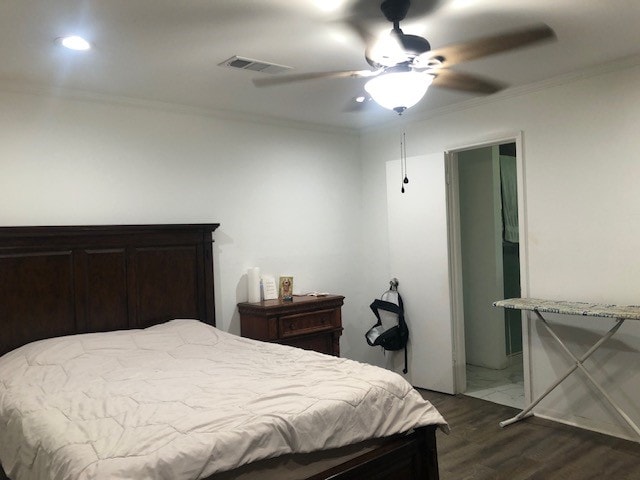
[183, 400]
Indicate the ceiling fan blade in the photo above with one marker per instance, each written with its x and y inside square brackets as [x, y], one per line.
[465, 82]
[379, 51]
[368, 38]
[483, 47]
[300, 77]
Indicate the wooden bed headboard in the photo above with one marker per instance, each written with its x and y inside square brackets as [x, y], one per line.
[58, 281]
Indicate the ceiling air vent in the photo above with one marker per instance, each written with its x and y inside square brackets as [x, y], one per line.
[253, 65]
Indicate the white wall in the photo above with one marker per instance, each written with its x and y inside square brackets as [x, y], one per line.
[580, 150]
[287, 198]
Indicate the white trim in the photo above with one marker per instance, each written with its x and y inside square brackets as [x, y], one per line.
[455, 273]
[524, 265]
[87, 96]
[455, 265]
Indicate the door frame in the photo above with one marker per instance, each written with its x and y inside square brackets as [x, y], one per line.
[455, 255]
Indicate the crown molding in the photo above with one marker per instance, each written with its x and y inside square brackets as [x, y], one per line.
[132, 102]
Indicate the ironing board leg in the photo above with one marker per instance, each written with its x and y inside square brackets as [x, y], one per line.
[578, 363]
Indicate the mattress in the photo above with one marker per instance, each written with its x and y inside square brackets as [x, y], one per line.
[184, 400]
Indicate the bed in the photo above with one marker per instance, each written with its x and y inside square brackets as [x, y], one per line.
[143, 286]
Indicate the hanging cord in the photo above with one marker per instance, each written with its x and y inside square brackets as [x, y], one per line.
[401, 165]
[404, 143]
[403, 161]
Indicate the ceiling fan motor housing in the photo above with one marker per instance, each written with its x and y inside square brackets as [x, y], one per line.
[395, 10]
[412, 45]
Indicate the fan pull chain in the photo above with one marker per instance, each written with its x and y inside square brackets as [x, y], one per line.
[403, 161]
[401, 167]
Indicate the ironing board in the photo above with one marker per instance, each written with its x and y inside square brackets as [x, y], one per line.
[617, 312]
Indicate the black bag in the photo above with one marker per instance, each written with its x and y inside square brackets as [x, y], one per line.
[392, 333]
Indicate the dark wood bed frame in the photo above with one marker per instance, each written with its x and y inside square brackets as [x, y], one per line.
[58, 281]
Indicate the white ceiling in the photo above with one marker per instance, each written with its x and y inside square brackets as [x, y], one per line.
[169, 50]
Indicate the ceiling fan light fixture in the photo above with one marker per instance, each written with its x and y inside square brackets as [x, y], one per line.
[399, 90]
[74, 42]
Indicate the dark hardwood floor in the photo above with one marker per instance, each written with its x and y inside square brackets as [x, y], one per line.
[533, 449]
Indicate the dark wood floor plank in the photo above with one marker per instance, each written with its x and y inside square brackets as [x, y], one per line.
[533, 449]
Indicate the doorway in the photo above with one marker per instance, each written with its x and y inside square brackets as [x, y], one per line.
[487, 248]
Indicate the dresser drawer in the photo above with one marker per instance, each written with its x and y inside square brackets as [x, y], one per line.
[294, 325]
[314, 323]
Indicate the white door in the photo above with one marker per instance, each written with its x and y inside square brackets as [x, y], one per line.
[419, 259]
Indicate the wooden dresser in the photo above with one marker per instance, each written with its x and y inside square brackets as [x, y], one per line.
[312, 323]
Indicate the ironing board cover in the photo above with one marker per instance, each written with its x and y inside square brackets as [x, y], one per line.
[631, 312]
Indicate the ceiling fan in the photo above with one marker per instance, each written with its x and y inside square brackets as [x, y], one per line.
[404, 65]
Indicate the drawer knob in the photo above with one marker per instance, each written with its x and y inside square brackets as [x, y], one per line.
[291, 326]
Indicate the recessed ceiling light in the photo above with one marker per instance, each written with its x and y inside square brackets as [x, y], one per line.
[74, 42]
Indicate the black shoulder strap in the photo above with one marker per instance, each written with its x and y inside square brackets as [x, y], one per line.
[398, 309]
[404, 330]
[387, 306]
